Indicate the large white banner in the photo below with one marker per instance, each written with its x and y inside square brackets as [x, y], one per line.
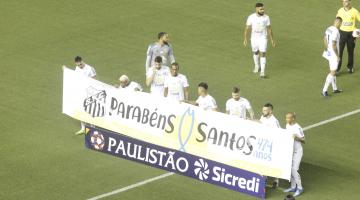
[216, 136]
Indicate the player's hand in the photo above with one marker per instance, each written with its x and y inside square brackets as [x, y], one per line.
[245, 42]
[273, 43]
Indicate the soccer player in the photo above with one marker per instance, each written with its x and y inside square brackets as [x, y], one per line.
[205, 100]
[268, 119]
[238, 106]
[259, 23]
[155, 77]
[299, 137]
[349, 16]
[160, 48]
[86, 70]
[331, 41]
[127, 84]
[176, 85]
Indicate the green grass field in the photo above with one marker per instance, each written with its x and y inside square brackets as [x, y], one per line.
[40, 158]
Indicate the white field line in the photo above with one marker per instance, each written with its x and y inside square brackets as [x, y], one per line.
[141, 183]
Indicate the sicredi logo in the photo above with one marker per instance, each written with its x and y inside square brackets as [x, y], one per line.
[201, 169]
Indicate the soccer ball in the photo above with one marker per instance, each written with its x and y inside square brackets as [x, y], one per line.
[97, 140]
[356, 33]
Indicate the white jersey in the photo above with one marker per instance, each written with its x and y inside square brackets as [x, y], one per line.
[332, 34]
[207, 102]
[87, 70]
[258, 25]
[298, 131]
[238, 107]
[176, 85]
[157, 85]
[132, 86]
[270, 121]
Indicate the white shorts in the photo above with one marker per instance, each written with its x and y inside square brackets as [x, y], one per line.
[333, 63]
[259, 44]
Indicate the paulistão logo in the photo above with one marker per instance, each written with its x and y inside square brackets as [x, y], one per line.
[201, 169]
[94, 104]
[97, 140]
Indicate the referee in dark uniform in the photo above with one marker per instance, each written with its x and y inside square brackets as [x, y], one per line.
[349, 16]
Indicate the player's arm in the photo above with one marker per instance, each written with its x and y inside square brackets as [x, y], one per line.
[334, 46]
[325, 42]
[251, 113]
[171, 54]
[150, 79]
[299, 139]
[166, 91]
[186, 93]
[191, 102]
[148, 58]
[246, 32]
[271, 35]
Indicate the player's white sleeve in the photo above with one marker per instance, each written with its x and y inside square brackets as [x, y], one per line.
[247, 105]
[214, 105]
[185, 82]
[227, 106]
[148, 57]
[268, 21]
[92, 72]
[248, 21]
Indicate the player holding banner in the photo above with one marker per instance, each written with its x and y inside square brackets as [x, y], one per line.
[331, 41]
[259, 23]
[299, 137]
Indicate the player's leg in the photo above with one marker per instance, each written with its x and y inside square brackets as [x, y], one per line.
[292, 187]
[333, 66]
[341, 48]
[255, 50]
[295, 172]
[262, 49]
[82, 130]
[350, 44]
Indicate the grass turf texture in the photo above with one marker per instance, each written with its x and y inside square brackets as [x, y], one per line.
[42, 159]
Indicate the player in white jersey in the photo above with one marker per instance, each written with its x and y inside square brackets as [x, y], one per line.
[295, 129]
[127, 84]
[160, 48]
[155, 77]
[176, 85]
[268, 119]
[86, 70]
[238, 106]
[259, 24]
[205, 100]
[331, 41]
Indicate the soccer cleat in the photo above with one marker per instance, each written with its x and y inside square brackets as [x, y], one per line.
[337, 91]
[81, 132]
[290, 189]
[298, 192]
[325, 94]
[351, 70]
[262, 75]
[256, 70]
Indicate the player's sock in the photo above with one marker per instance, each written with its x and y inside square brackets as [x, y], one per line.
[82, 126]
[262, 64]
[256, 62]
[333, 83]
[328, 81]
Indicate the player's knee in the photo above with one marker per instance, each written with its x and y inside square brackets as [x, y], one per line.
[262, 54]
[256, 52]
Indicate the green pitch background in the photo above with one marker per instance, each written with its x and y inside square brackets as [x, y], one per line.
[40, 158]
